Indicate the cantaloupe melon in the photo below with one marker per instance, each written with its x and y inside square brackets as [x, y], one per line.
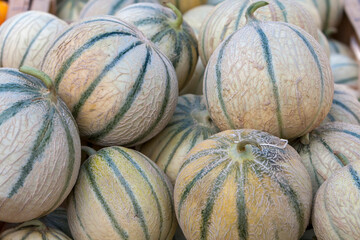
[243, 184]
[337, 47]
[119, 87]
[190, 125]
[39, 145]
[345, 70]
[69, 10]
[25, 37]
[196, 16]
[270, 76]
[121, 194]
[336, 212]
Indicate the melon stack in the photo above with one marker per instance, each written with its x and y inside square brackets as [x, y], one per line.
[102, 136]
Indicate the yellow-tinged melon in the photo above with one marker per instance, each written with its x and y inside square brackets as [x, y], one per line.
[329, 148]
[196, 16]
[96, 8]
[25, 37]
[39, 146]
[119, 87]
[229, 16]
[345, 107]
[270, 76]
[336, 213]
[121, 194]
[34, 230]
[167, 30]
[243, 184]
[190, 125]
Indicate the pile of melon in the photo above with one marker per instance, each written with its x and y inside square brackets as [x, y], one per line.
[219, 120]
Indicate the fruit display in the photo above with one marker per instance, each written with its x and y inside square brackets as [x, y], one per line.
[179, 120]
[167, 30]
[25, 37]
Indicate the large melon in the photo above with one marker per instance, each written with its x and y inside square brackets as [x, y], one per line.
[190, 125]
[328, 149]
[336, 212]
[69, 10]
[259, 80]
[165, 27]
[107, 7]
[120, 88]
[345, 107]
[25, 37]
[345, 70]
[229, 16]
[121, 194]
[196, 16]
[39, 145]
[34, 230]
[243, 184]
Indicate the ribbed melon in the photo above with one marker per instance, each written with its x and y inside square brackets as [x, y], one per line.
[121, 194]
[69, 10]
[185, 5]
[195, 85]
[328, 149]
[229, 16]
[345, 70]
[107, 7]
[174, 37]
[196, 16]
[331, 12]
[38, 137]
[243, 184]
[336, 212]
[120, 88]
[345, 107]
[25, 37]
[337, 47]
[190, 125]
[259, 80]
[313, 11]
[34, 230]
[324, 43]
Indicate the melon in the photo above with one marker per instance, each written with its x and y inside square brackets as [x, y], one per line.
[121, 194]
[119, 87]
[337, 47]
[34, 230]
[57, 220]
[243, 184]
[25, 37]
[312, 10]
[345, 70]
[324, 43]
[39, 137]
[195, 85]
[281, 85]
[230, 16]
[196, 16]
[165, 27]
[107, 7]
[214, 2]
[345, 107]
[190, 125]
[329, 148]
[69, 10]
[331, 13]
[185, 5]
[336, 212]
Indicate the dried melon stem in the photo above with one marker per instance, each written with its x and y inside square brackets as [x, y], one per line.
[43, 77]
[176, 24]
[202, 117]
[88, 150]
[252, 9]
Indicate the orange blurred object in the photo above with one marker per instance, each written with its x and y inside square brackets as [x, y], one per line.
[3, 11]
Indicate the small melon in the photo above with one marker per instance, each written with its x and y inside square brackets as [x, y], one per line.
[345, 70]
